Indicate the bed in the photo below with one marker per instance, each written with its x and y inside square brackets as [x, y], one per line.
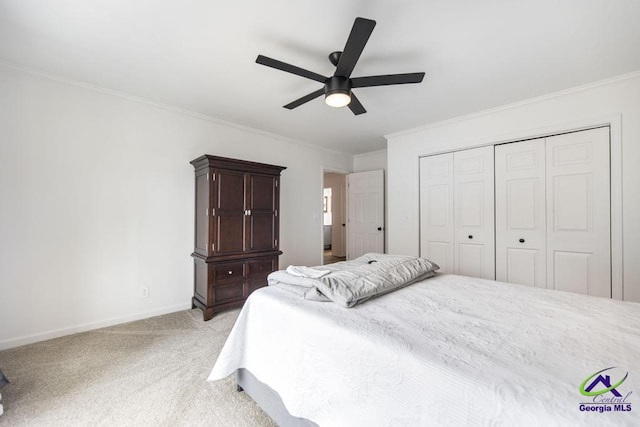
[446, 350]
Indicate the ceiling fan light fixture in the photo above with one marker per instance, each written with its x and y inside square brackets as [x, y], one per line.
[337, 99]
[337, 91]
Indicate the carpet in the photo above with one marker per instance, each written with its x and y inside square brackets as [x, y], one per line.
[148, 372]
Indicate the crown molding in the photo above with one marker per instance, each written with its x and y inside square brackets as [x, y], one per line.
[529, 101]
[167, 107]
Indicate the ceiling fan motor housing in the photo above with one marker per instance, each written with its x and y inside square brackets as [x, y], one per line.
[337, 84]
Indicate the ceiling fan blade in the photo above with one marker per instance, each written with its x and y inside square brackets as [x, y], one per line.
[358, 38]
[356, 106]
[390, 79]
[306, 98]
[279, 65]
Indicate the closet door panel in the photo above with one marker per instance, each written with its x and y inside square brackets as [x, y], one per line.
[471, 259]
[474, 251]
[436, 210]
[523, 265]
[578, 212]
[520, 213]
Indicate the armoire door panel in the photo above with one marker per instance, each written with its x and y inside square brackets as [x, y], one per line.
[230, 192]
[436, 211]
[473, 179]
[520, 213]
[262, 193]
[261, 231]
[228, 211]
[229, 233]
[578, 212]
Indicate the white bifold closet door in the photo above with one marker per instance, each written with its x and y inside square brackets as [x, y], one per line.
[521, 231]
[579, 213]
[553, 212]
[437, 232]
[456, 205]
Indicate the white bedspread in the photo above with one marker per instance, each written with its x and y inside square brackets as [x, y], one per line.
[450, 350]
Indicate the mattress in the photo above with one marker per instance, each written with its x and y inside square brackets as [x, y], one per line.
[449, 350]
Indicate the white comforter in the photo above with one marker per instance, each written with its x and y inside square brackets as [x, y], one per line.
[450, 350]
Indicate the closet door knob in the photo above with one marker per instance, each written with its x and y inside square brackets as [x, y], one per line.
[470, 236]
[521, 240]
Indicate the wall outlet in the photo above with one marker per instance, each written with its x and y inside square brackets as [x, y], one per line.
[144, 292]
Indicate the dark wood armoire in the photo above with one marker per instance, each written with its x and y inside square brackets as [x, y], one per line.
[236, 230]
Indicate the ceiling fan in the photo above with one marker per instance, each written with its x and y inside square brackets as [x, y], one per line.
[337, 88]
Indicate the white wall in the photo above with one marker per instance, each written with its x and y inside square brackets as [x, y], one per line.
[616, 101]
[370, 161]
[96, 194]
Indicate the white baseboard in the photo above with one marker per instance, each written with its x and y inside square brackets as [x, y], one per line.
[30, 339]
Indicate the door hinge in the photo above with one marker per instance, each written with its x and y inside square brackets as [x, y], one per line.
[207, 176]
[276, 213]
[213, 176]
[213, 247]
[276, 183]
[206, 212]
[275, 242]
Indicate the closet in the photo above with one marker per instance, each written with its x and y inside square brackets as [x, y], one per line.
[456, 205]
[553, 212]
[534, 212]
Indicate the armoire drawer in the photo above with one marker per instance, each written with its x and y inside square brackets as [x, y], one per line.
[228, 272]
[259, 269]
[228, 292]
[256, 284]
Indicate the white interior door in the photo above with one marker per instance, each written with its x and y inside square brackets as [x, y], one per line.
[474, 212]
[365, 212]
[436, 211]
[578, 212]
[520, 213]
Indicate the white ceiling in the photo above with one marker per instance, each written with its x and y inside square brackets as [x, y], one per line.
[199, 55]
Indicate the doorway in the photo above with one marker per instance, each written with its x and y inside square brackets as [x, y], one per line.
[334, 206]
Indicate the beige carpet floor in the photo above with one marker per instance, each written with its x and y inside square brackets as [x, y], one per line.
[149, 372]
